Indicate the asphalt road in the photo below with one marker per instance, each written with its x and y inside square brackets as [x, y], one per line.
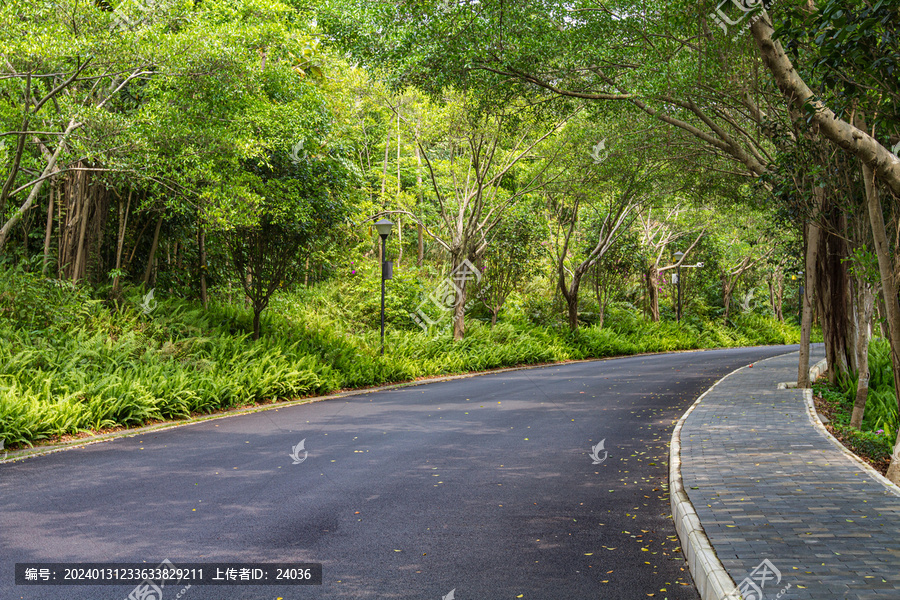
[483, 487]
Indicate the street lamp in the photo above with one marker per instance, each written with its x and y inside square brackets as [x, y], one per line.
[678, 256]
[384, 230]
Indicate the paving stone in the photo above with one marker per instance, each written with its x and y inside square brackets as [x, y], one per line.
[767, 484]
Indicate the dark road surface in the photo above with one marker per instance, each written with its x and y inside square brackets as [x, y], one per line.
[482, 486]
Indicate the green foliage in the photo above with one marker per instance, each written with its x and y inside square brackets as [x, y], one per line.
[881, 403]
[78, 365]
[872, 441]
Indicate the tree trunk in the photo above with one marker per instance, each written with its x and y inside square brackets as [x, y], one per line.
[459, 274]
[202, 243]
[882, 318]
[865, 305]
[80, 258]
[889, 291]
[572, 306]
[421, 248]
[399, 218]
[49, 231]
[833, 293]
[459, 314]
[779, 296]
[812, 257]
[727, 289]
[256, 313]
[120, 239]
[153, 246]
[653, 293]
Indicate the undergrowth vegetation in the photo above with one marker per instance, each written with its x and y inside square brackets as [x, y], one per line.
[875, 438]
[70, 363]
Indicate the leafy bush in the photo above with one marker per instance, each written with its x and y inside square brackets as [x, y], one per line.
[881, 403]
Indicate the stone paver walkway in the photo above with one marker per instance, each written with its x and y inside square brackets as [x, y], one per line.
[768, 485]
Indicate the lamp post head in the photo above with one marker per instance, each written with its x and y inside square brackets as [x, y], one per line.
[384, 227]
[679, 255]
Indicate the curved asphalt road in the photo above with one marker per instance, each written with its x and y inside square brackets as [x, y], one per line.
[482, 486]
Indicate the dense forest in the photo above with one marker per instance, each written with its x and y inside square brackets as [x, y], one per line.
[189, 193]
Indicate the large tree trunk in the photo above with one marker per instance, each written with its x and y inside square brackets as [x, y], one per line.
[889, 290]
[833, 294]
[812, 256]
[865, 306]
[571, 297]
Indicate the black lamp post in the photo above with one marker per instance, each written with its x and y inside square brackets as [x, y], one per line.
[678, 256]
[384, 230]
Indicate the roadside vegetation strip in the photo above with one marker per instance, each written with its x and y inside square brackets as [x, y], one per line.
[70, 363]
[874, 439]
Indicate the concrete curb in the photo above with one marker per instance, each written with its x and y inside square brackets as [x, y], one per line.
[817, 423]
[710, 577]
